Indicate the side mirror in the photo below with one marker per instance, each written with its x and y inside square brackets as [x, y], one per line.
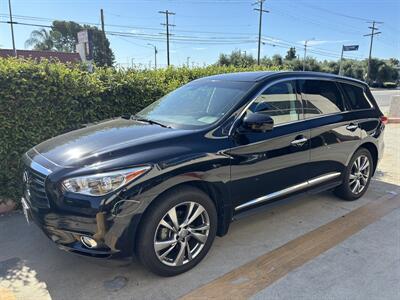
[258, 122]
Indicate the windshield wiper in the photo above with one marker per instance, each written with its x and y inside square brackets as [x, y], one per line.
[141, 119]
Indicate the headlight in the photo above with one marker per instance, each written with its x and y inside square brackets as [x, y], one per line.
[104, 183]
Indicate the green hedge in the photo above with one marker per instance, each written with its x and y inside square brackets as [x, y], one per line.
[41, 100]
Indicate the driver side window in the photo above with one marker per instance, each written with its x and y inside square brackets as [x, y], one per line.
[280, 102]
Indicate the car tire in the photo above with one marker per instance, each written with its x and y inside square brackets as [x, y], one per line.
[357, 176]
[177, 231]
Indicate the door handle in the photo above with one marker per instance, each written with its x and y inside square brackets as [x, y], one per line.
[351, 127]
[299, 141]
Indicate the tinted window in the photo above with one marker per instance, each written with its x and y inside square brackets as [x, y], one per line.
[355, 97]
[280, 102]
[320, 97]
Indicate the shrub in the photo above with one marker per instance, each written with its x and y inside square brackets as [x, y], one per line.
[42, 100]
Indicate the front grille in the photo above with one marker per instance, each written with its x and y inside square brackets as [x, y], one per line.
[35, 188]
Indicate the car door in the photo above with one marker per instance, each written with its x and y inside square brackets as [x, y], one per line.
[267, 165]
[334, 133]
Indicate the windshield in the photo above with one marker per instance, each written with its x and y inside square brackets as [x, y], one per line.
[196, 104]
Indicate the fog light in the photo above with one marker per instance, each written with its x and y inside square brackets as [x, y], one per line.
[88, 242]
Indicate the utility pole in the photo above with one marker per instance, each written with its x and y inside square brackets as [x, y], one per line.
[305, 53]
[261, 10]
[102, 29]
[167, 25]
[187, 61]
[341, 61]
[373, 32]
[155, 55]
[102, 21]
[12, 28]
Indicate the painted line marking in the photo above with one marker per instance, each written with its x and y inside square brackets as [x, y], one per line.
[256, 275]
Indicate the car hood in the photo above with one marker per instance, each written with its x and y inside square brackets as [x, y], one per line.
[105, 140]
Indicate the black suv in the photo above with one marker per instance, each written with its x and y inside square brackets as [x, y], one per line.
[163, 183]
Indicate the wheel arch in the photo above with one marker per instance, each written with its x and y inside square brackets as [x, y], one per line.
[217, 193]
[373, 149]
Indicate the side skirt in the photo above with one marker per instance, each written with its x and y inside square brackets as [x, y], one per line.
[282, 200]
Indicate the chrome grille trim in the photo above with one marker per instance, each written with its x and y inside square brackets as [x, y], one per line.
[35, 191]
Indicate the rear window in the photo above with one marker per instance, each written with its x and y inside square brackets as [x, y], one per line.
[354, 96]
[320, 97]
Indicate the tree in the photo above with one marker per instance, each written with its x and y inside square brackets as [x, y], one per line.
[63, 36]
[40, 40]
[237, 59]
[382, 70]
[223, 60]
[277, 60]
[291, 53]
[394, 62]
[102, 53]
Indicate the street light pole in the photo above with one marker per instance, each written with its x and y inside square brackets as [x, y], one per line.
[155, 55]
[12, 28]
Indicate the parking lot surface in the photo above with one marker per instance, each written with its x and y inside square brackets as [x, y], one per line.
[365, 265]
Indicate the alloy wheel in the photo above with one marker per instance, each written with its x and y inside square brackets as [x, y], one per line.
[359, 174]
[181, 234]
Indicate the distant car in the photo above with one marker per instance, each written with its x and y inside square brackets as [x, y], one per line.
[163, 183]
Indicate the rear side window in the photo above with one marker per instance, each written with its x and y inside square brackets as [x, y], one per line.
[355, 97]
[320, 97]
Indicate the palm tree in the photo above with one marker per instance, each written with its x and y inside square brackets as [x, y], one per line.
[40, 40]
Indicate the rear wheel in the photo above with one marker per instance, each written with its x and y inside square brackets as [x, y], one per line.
[357, 176]
[177, 232]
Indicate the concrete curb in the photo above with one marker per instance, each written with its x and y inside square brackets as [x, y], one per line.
[394, 110]
[393, 120]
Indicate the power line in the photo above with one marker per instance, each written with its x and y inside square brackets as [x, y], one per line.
[185, 39]
[336, 13]
[230, 34]
[203, 40]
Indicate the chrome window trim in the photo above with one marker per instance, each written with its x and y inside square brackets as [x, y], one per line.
[289, 190]
[240, 115]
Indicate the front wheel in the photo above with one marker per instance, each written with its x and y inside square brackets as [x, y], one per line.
[357, 176]
[177, 232]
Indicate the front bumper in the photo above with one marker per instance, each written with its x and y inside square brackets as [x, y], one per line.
[65, 218]
[66, 231]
